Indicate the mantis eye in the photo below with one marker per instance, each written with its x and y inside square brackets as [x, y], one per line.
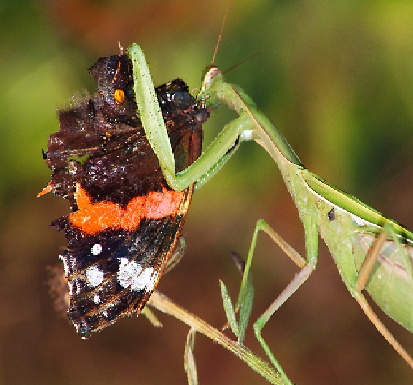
[119, 96]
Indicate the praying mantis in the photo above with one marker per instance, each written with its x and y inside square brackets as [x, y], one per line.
[371, 251]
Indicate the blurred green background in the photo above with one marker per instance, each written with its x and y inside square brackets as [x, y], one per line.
[336, 78]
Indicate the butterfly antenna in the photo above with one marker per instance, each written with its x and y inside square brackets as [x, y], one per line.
[220, 34]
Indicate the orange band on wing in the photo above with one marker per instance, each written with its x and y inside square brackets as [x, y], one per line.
[92, 218]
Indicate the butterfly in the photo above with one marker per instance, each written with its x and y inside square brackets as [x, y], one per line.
[125, 221]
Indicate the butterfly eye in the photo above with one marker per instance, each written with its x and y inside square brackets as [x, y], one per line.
[119, 96]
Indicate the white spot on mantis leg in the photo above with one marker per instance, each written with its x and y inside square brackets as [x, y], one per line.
[247, 135]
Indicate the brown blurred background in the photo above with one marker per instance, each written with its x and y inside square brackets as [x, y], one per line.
[335, 77]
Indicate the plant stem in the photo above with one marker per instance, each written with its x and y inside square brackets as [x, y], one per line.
[165, 305]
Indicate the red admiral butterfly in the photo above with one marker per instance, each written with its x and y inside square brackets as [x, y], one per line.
[125, 221]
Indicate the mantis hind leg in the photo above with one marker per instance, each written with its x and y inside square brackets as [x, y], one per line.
[306, 269]
[362, 280]
[375, 320]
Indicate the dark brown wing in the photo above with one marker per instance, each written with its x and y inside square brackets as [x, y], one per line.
[101, 148]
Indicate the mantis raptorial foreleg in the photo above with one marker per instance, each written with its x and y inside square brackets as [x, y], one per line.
[214, 157]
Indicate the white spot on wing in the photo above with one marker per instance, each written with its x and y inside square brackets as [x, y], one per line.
[152, 281]
[132, 275]
[96, 298]
[145, 280]
[128, 272]
[96, 249]
[94, 275]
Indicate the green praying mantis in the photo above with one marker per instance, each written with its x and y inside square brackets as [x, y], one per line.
[371, 251]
